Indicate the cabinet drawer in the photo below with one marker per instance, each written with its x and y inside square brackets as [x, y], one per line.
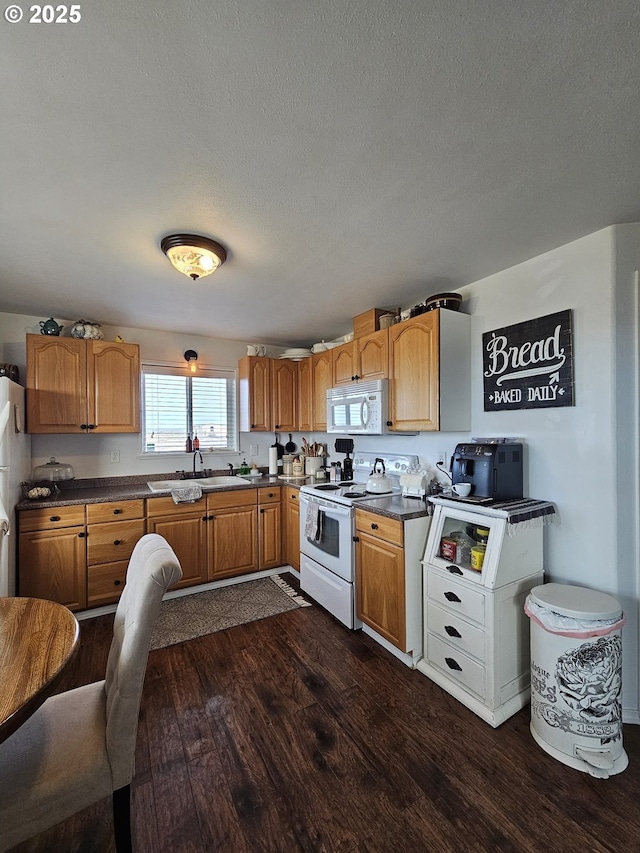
[105, 582]
[455, 597]
[269, 496]
[292, 495]
[166, 506]
[389, 529]
[114, 511]
[456, 665]
[113, 541]
[48, 519]
[241, 497]
[455, 631]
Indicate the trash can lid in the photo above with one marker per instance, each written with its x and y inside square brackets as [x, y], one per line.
[578, 602]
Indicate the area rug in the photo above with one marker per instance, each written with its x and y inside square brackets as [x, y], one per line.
[192, 616]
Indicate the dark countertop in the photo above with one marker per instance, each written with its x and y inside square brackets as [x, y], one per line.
[106, 489]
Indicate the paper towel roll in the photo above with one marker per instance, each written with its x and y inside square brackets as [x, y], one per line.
[273, 460]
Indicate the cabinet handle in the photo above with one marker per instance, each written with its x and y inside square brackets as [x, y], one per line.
[356, 538]
[54, 518]
[117, 541]
[452, 632]
[389, 423]
[454, 570]
[270, 495]
[117, 511]
[252, 426]
[91, 426]
[356, 377]
[451, 596]
[117, 583]
[81, 535]
[277, 426]
[374, 526]
[261, 511]
[84, 426]
[453, 664]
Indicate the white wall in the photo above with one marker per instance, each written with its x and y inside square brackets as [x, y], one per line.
[584, 458]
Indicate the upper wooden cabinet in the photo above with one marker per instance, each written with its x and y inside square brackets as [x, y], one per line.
[284, 394]
[429, 373]
[321, 381]
[268, 394]
[361, 360]
[76, 385]
[254, 377]
[305, 395]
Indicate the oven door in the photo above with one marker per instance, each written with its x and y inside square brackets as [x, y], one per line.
[326, 534]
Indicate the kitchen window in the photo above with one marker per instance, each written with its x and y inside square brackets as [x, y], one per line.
[176, 404]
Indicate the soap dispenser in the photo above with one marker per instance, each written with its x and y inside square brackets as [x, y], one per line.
[244, 468]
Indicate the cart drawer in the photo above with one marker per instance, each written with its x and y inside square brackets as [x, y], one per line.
[456, 631]
[456, 665]
[454, 596]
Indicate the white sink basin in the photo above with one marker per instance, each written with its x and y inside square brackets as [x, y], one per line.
[204, 482]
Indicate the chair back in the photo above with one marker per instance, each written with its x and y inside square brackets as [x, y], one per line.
[152, 569]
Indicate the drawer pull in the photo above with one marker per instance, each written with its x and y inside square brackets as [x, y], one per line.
[451, 596]
[83, 426]
[117, 541]
[117, 583]
[117, 511]
[261, 511]
[452, 632]
[81, 535]
[374, 526]
[270, 495]
[54, 518]
[454, 570]
[453, 664]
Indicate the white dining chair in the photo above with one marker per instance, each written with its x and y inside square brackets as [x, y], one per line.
[79, 746]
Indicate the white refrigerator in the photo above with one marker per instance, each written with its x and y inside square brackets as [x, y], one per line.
[15, 468]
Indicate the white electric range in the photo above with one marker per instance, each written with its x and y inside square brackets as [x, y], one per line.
[327, 549]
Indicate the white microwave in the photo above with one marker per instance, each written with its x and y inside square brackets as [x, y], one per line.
[359, 409]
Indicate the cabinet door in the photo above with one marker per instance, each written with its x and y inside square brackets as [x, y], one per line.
[232, 541]
[291, 531]
[53, 566]
[187, 535]
[345, 364]
[254, 381]
[322, 377]
[305, 396]
[284, 392]
[113, 381]
[269, 536]
[373, 356]
[414, 390]
[380, 591]
[56, 384]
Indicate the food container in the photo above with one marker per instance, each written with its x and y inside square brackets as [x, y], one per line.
[53, 471]
[477, 557]
[448, 548]
[287, 464]
[451, 301]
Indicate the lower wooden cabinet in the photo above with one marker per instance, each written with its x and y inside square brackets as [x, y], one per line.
[269, 528]
[184, 527]
[291, 528]
[380, 576]
[53, 565]
[232, 531]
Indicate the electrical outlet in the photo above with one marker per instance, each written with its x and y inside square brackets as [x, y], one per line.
[115, 456]
[253, 450]
[442, 458]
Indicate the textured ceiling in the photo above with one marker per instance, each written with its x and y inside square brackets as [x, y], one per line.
[348, 154]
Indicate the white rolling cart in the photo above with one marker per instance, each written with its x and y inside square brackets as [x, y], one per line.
[476, 634]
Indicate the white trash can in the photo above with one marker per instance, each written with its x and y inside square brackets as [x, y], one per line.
[576, 677]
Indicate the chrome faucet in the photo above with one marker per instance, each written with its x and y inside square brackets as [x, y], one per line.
[196, 453]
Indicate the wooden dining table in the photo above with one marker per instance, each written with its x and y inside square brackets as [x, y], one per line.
[38, 639]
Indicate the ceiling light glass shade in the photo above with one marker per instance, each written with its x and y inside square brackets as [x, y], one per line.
[192, 255]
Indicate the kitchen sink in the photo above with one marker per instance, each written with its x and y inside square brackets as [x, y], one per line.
[204, 482]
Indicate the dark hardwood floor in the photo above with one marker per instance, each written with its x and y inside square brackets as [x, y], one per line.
[295, 734]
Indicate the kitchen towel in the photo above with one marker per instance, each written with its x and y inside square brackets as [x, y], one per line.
[312, 521]
[187, 495]
[273, 461]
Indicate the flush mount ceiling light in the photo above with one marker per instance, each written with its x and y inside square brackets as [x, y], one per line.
[193, 255]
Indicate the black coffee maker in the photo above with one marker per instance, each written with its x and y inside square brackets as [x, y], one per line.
[494, 470]
[345, 445]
